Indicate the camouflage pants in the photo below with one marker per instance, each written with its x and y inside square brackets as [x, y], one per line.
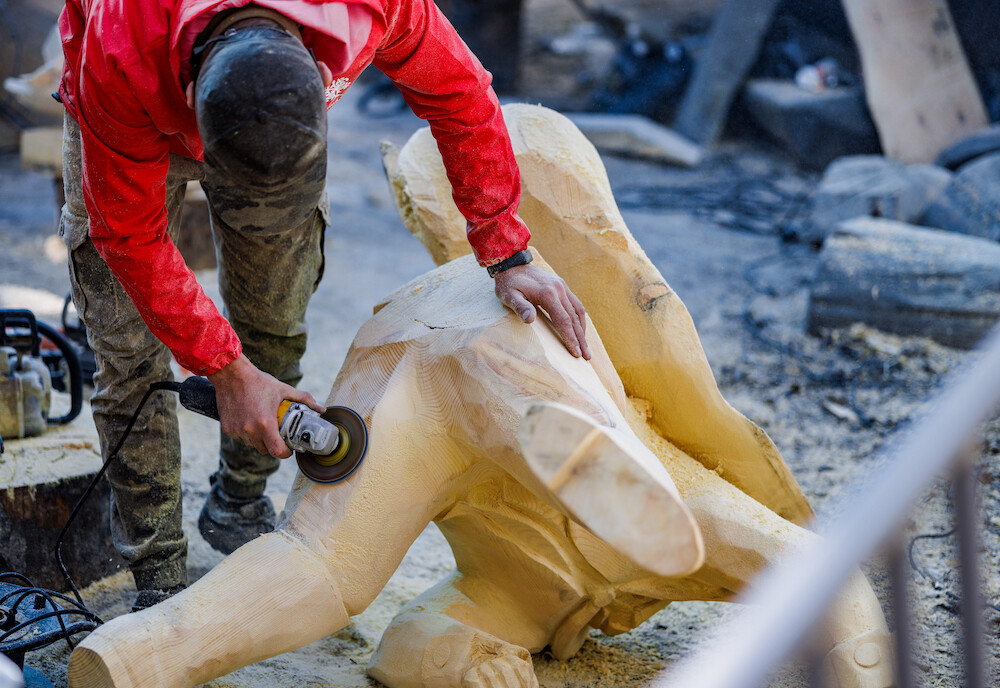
[270, 259]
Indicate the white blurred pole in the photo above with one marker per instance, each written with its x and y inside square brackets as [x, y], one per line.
[789, 600]
[10, 675]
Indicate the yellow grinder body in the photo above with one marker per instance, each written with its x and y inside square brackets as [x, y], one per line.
[329, 446]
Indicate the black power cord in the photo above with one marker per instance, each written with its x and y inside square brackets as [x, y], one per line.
[156, 386]
[936, 582]
[23, 628]
[37, 617]
[27, 627]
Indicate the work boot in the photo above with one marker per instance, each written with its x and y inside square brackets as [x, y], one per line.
[227, 523]
[147, 598]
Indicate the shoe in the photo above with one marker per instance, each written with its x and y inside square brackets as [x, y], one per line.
[147, 598]
[227, 523]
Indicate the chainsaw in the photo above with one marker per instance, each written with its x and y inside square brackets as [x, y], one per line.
[28, 374]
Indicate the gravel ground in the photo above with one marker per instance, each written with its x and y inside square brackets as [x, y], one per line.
[831, 403]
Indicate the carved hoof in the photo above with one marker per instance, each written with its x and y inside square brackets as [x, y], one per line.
[864, 661]
[610, 490]
[509, 668]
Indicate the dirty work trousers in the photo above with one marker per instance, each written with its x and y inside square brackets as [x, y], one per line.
[270, 259]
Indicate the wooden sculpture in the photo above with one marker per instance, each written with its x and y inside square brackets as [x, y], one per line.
[565, 502]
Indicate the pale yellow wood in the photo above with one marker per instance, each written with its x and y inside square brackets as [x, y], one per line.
[465, 405]
[565, 506]
[920, 90]
[568, 205]
[41, 149]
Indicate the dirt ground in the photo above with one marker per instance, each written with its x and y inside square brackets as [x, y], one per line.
[830, 403]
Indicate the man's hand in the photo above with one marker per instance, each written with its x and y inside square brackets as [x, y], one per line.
[248, 401]
[523, 287]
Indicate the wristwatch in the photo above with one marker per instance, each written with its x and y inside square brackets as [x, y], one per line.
[520, 258]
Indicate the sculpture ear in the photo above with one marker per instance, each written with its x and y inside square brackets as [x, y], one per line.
[609, 482]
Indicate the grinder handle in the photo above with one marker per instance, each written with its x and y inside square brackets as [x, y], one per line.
[198, 394]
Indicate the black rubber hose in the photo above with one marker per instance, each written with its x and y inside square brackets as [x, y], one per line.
[68, 351]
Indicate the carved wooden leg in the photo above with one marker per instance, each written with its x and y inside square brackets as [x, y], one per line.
[270, 596]
[334, 552]
[741, 537]
[425, 646]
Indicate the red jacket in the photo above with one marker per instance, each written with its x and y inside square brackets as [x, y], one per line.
[127, 65]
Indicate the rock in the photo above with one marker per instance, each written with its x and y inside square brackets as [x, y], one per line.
[873, 186]
[813, 127]
[635, 136]
[967, 149]
[907, 280]
[970, 204]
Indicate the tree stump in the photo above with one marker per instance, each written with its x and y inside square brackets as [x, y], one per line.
[41, 480]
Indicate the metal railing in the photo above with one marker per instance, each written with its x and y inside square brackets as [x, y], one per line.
[788, 601]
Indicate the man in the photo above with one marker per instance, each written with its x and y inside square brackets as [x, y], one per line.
[232, 94]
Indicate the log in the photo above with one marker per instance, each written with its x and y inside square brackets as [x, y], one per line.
[564, 507]
[919, 87]
[907, 280]
[722, 67]
[567, 202]
[635, 136]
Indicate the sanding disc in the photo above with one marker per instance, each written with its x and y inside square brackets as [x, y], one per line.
[349, 453]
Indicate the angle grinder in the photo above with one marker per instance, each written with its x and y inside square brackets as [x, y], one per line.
[328, 446]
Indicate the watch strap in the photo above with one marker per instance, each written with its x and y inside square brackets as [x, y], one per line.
[520, 258]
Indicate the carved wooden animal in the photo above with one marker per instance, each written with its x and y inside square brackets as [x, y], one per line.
[565, 505]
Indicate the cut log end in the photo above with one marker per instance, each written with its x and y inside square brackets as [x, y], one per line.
[87, 669]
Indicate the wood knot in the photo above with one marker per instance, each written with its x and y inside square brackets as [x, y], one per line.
[649, 294]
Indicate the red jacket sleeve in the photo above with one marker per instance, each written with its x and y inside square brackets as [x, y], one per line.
[125, 163]
[444, 83]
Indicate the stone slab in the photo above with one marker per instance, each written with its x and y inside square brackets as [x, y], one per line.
[814, 128]
[968, 148]
[970, 204]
